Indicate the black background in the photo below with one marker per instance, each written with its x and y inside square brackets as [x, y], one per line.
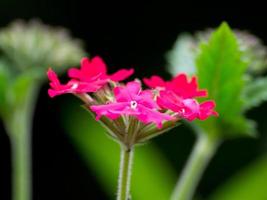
[133, 35]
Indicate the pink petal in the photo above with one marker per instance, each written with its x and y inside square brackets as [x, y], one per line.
[99, 65]
[128, 92]
[121, 74]
[197, 93]
[190, 109]
[154, 82]
[206, 110]
[90, 70]
[93, 67]
[146, 98]
[52, 76]
[52, 93]
[184, 88]
[168, 100]
[112, 110]
[74, 73]
[152, 116]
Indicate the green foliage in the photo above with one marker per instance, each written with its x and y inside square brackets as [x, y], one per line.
[13, 90]
[26, 51]
[255, 92]
[253, 50]
[152, 177]
[182, 59]
[249, 184]
[221, 71]
[4, 77]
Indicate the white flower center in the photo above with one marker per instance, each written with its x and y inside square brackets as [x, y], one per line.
[133, 104]
[74, 86]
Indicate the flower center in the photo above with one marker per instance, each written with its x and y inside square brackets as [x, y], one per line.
[74, 86]
[133, 104]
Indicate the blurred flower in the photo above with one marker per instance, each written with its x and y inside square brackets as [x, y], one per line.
[35, 45]
[26, 51]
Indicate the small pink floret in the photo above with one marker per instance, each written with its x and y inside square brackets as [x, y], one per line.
[189, 108]
[73, 86]
[89, 78]
[178, 95]
[131, 100]
[180, 85]
[96, 67]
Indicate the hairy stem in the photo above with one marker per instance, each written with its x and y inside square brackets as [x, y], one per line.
[203, 151]
[125, 173]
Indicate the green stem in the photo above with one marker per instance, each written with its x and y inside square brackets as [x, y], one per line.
[125, 173]
[204, 149]
[21, 165]
[18, 125]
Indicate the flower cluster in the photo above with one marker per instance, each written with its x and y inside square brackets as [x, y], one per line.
[130, 114]
[178, 96]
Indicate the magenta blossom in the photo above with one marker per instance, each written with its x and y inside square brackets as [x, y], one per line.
[177, 95]
[97, 68]
[180, 85]
[188, 108]
[90, 78]
[132, 101]
[73, 86]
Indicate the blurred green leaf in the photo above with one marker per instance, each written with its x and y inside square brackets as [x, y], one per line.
[249, 184]
[20, 86]
[152, 177]
[221, 71]
[255, 92]
[4, 76]
[181, 59]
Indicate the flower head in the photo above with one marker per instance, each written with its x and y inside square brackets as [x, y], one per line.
[132, 115]
[132, 101]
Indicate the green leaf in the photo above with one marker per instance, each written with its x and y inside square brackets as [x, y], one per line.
[249, 184]
[20, 87]
[255, 92]
[181, 59]
[152, 176]
[221, 71]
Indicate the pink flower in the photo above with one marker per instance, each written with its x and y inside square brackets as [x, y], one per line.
[131, 100]
[96, 68]
[188, 108]
[177, 95]
[73, 86]
[180, 85]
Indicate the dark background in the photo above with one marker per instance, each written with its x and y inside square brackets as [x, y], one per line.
[131, 35]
